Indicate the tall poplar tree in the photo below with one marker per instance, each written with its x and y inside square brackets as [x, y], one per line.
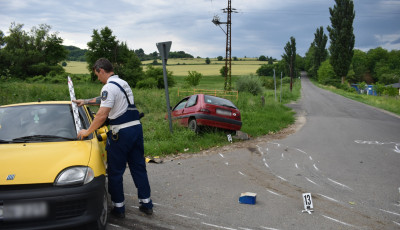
[342, 37]
[290, 58]
[320, 52]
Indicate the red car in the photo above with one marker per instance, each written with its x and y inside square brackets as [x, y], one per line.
[205, 110]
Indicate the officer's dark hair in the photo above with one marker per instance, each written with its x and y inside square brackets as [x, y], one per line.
[103, 63]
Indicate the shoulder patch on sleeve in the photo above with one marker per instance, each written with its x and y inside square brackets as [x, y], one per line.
[104, 95]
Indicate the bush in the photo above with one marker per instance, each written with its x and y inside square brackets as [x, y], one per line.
[148, 83]
[249, 84]
[222, 70]
[268, 82]
[158, 74]
[379, 88]
[265, 70]
[388, 78]
[326, 75]
[286, 80]
[351, 90]
[262, 58]
[193, 79]
[391, 91]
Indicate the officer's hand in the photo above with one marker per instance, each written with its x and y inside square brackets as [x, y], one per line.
[79, 102]
[82, 134]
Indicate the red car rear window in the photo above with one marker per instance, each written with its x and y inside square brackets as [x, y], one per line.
[218, 101]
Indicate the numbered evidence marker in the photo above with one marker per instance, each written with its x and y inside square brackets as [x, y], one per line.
[308, 204]
[78, 124]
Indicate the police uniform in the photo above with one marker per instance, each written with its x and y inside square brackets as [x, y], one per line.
[124, 143]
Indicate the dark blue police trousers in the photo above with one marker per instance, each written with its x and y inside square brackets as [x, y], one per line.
[127, 147]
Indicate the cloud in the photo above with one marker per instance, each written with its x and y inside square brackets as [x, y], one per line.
[259, 27]
[389, 41]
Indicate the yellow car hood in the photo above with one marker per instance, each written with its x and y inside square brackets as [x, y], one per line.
[32, 163]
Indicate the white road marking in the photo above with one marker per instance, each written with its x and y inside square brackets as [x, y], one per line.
[396, 223]
[217, 226]
[338, 221]
[259, 149]
[274, 143]
[245, 228]
[310, 158]
[200, 214]
[345, 186]
[329, 198]
[266, 164]
[268, 228]
[227, 163]
[370, 142]
[114, 225]
[221, 155]
[281, 178]
[296, 165]
[301, 151]
[311, 181]
[397, 150]
[282, 157]
[394, 213]
[242, 173]
[187, 217]
[274, 192]
[315, 167]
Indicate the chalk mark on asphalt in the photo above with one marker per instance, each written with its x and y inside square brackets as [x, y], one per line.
[338, 221]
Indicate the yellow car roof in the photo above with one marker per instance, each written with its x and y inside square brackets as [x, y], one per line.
[37, 103]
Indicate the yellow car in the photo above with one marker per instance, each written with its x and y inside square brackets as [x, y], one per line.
[48, 178]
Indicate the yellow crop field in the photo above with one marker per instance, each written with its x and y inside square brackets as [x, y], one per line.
[181, 66]
[76, 67]
[211, 69]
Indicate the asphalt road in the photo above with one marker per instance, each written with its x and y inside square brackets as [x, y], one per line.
[346, 154]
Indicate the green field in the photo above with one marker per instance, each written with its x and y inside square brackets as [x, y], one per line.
[76, 67]
[158, 140]
[180, 67]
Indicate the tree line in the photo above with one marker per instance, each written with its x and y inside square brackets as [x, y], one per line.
[25, 54]
[37, 53]
[78, 54]
[340, 64]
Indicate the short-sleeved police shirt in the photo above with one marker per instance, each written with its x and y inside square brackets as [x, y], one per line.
[112, 97]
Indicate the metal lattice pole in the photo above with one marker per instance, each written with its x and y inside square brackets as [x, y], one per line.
[228, 57]
[228, 54]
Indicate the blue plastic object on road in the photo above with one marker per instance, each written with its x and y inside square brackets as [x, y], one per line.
[247, 198]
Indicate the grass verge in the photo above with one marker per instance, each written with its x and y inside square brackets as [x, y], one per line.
[258, 118]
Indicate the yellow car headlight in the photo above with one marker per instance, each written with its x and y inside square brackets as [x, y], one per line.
[74, 176]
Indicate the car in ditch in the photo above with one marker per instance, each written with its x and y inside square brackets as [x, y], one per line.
[202, 110]
[48, 178]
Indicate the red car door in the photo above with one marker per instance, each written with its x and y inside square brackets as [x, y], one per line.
[190, 109]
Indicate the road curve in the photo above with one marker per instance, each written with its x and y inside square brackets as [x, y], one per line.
[346, 154]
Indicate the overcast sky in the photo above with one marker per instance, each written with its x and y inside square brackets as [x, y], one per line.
[261, 27]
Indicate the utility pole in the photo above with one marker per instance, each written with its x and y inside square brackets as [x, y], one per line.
[228, 55]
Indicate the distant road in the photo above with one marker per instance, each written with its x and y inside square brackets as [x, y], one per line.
[346, 154]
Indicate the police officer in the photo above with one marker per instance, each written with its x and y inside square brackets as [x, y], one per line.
[124, 140]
